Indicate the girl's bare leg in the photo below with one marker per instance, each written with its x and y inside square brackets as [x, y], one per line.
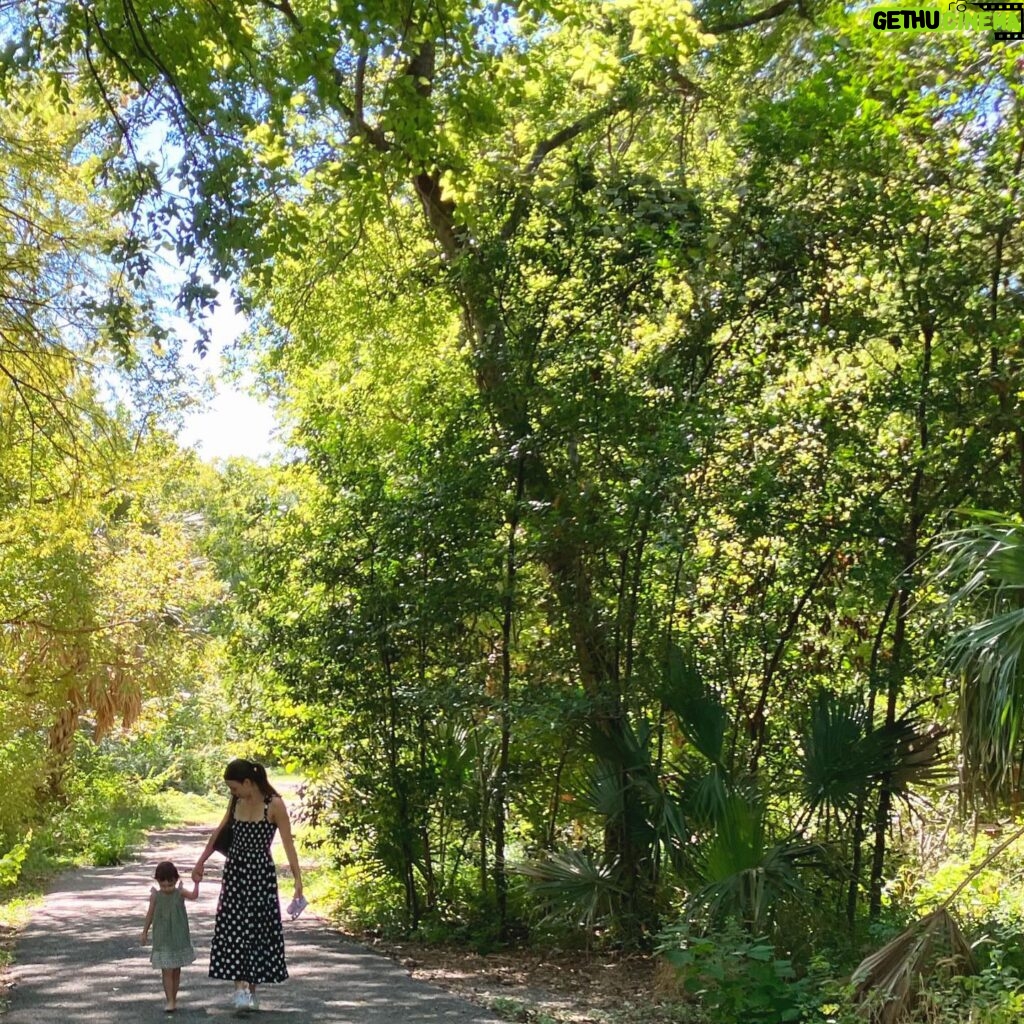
[177, 982]
[170, 988]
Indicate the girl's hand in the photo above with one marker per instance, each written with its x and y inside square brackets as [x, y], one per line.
[197, 873]
[144, 939]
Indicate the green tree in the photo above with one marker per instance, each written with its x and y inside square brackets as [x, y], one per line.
[98, 575]
[602, 331]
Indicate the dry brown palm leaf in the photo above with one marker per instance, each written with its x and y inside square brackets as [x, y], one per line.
[887, 983]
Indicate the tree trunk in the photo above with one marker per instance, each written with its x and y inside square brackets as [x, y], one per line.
[858, 822]
[562, 553]
[397, 783]
[898, 661]
[501, 778]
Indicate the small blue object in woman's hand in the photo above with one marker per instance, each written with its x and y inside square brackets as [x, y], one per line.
[296, 907]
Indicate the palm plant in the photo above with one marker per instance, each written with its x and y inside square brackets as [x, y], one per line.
[575, 886]
[845, 754]
[714, 828]
[985, 564]
[733, 866]
[738, 872]
[622, 789]
[700, 715]
[887, 983]
[845, 757]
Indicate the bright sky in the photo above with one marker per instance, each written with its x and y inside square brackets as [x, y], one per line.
[232, 422]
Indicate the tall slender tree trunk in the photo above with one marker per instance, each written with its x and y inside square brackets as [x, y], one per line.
[853, 892]
[398, 786]
[501, 777]
[485, 827]
[884, 807]
[900, 654]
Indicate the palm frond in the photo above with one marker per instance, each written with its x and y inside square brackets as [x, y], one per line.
[738, 872]
[624, 787]
[707, 798]
[887, 983]
[573, 885]
[842, 754]
[604, 792]
[916, 754]
[983, 559]
[985, 563]
[702, 718]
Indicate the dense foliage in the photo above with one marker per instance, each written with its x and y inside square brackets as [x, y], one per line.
[639, 358]
[103, 591]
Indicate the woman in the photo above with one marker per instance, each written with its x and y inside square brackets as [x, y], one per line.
[248, 940]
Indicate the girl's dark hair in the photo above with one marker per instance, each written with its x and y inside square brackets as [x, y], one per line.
[166, 872]
[239, 770]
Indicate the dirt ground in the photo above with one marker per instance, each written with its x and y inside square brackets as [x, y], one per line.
[562, 987]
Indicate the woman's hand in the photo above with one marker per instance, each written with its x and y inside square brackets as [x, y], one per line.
[197, 872]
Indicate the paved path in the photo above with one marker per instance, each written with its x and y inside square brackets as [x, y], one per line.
[79, 961]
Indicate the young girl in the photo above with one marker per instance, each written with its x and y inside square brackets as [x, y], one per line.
[172, 944]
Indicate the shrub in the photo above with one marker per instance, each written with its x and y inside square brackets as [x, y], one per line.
[739, 979]
[13, 861]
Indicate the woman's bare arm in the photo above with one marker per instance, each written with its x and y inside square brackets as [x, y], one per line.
[279, 816]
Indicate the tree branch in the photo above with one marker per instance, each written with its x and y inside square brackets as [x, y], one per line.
[567, 134]
[360, 84]
[543, 148]
[775, 11]
[49, 627]
[285, 8]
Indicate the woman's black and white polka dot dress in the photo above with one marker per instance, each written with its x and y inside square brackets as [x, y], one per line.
[248, 940]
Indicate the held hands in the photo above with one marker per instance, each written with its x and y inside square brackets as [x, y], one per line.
[197, 872]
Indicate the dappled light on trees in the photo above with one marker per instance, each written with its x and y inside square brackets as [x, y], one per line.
[639, 358]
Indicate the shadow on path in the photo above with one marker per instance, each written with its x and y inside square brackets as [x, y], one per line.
[79, 960]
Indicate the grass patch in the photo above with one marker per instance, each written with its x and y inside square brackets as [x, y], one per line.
[14, 915]
[176, 809]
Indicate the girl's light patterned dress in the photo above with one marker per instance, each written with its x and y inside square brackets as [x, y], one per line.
[172, 943]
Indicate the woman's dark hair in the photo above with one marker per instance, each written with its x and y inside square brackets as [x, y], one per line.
[239, 770]
[166, 872]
